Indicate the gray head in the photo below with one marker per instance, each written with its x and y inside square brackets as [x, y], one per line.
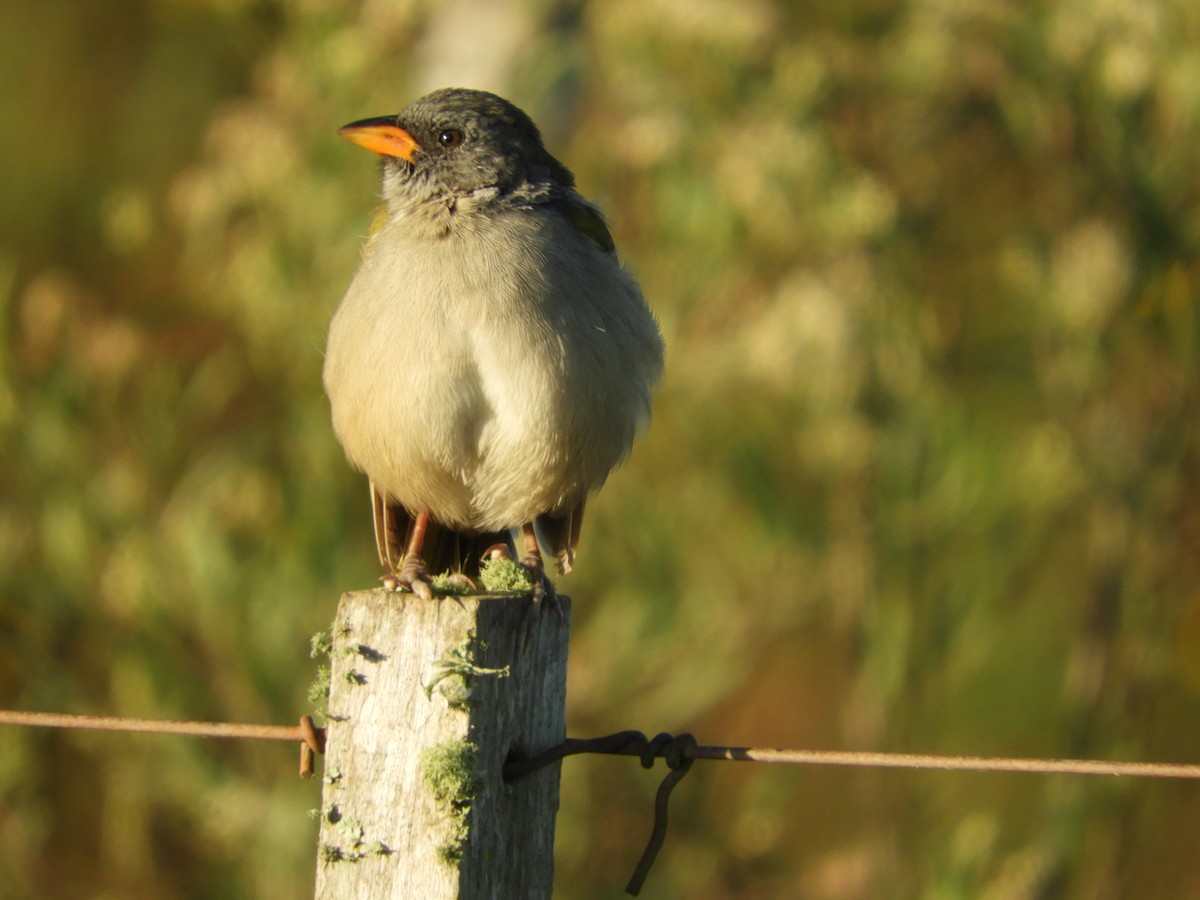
[455, 142]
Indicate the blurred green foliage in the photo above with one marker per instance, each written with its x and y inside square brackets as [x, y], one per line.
[928, 274]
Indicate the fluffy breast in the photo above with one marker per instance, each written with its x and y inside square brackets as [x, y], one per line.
[491, 374]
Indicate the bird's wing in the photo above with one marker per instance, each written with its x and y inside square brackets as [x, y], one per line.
[587, 220]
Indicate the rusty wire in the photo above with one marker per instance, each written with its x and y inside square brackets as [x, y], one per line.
[679, 751]
[306, 733]
[632, 743]
[628, 743]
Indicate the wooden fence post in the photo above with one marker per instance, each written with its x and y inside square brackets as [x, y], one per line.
[427, 699]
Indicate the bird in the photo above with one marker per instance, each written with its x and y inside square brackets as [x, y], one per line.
[492, 360]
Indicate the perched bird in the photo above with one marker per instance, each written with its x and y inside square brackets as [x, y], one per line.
[491, 361]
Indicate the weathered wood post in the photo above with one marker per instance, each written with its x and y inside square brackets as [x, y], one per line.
[427, 699]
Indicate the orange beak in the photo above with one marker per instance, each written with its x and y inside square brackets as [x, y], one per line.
[382, 136]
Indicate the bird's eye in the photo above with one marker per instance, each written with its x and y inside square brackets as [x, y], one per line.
[450, 138]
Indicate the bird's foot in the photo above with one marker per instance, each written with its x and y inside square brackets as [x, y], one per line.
[542, 588]
[496, 551]
[461, 582]
[413, 576]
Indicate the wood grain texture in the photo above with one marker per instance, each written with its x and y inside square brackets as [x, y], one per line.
[384, 833]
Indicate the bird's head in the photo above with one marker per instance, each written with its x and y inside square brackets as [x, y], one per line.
[457, 142]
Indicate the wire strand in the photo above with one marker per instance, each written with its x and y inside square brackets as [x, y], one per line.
[958, 763]
[310, 738]
[314, 738]
[154, 726]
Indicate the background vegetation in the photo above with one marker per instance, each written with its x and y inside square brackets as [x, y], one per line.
[924, 474]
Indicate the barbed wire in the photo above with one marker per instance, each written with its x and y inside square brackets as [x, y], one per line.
[679, 751]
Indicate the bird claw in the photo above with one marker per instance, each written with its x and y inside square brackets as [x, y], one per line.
[542, 588]
[460, 581]
[412, 577]
[496, 551]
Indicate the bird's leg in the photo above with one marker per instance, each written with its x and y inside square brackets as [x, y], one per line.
[532, 560]
[413, 574]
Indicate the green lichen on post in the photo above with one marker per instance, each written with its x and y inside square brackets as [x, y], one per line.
[504, 576]
[450, 584]
[450, 771]
[320, 645]
[351, 832]
[318, 691]
[331, 854]
[459, 663]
